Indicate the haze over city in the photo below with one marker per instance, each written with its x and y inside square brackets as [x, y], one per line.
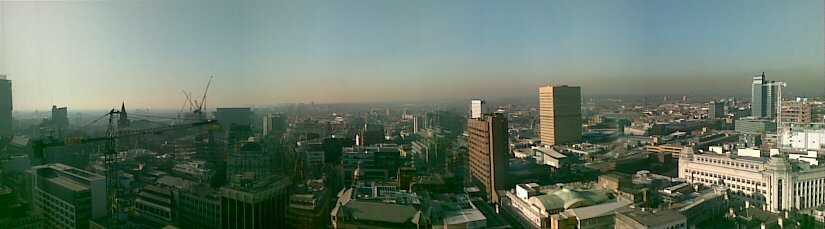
[93, 55]
[380, 114]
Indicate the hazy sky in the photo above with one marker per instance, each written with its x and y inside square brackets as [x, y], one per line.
[95, 54]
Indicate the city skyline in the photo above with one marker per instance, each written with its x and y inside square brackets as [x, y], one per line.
[94, 55]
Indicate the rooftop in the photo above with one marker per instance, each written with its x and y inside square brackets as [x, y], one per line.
[653, 218]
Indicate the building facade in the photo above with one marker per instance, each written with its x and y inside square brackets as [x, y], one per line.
[560, 114]
[199, 209]
[763, 97]
[263, 205]
[488, 148]
[5, 106]
[71, 197]
[776, 183]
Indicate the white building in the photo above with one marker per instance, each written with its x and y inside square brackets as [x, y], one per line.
[534, 205]
[776, 182]
[193, 170]
[550, 156]
[810, 137]
[477, 108]
[70, 196]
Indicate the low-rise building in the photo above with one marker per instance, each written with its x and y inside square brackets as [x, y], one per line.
[778, 182]
[639, 218]
[533, 204]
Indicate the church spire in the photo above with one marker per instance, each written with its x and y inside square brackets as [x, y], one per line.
[123, 122]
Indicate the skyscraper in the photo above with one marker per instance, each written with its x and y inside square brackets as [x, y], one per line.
[5, 106]
[262, 205]
[60, 117]
[763, 97]
[560, 114]
[488, 151]
[70, 196]
[716, 109]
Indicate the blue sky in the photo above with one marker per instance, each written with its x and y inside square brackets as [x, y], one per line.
[89, 55]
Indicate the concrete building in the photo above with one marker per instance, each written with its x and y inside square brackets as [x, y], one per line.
[156, 205]
[775, 183]
[717, 109]
[799, 111]
[70, 196]
[310, 205]
[764, 96]
[590, 217]
[533, 205]
[5, 107]
[194, 171]
[248, 165]
[273, 123]
[755, 126]
[260, 205]
[550, 156]
[560, 114]
[477, 108]
[241, 116]
[615, 181]
[377, 162]
[60, 118]
[639, 218]
[371, 134]
[199, 208]
[487, 146]
[804, 137]
[363, 210]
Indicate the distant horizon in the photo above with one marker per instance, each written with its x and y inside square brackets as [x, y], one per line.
[210, 108]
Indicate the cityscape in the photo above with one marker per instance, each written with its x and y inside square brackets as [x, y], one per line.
[412, 114]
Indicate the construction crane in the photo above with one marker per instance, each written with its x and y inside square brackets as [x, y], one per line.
[110, 152]
[202, 105]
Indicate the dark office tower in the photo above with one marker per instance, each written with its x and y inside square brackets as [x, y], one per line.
[5, 106]
[488, 150]
[60, 118]
[560, 114]
[262, 205]
[241, 116]
[123, 122]
[716, 109]
[273, 123]
[763, 97]
[371, 134]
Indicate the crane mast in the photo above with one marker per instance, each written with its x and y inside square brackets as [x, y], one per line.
[110, 157]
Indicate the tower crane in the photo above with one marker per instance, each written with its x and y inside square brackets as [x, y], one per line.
[110, 153]
[202, 105]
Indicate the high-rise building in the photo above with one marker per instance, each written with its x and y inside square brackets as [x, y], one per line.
[248, 165]
[560, 114]
[764, 95]
[717, 109]
[477, 108]
[273, 123]
[488, 153]
[371, 134]
[60, 118]
[241, 116]
[5, 106]
[262, 205]
[199, 208]
[70, 196]
[799, 111]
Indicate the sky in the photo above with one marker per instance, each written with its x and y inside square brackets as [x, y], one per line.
[93, 55]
